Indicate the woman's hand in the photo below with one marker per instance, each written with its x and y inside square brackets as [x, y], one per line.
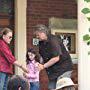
[20, 66]
[24, 74]
[24, 69]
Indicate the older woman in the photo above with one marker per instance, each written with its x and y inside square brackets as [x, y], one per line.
[7, 60]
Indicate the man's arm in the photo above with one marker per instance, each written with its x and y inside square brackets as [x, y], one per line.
[51, 62]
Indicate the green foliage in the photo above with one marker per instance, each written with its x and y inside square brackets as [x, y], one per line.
[86, 37]
[88, 18]
[87, 0]
[89, 29]
[85, 10]
[88, 52]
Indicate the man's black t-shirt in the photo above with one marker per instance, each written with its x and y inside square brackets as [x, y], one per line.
[51, 48]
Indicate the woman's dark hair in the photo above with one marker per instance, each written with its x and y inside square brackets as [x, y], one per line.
[37, 56]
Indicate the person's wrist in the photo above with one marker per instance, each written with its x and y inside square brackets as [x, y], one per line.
[44, 66]
[20, 66]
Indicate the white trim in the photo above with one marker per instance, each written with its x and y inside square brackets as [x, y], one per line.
[20, 32]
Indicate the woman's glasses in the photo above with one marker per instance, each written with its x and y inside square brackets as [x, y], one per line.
[10, 37]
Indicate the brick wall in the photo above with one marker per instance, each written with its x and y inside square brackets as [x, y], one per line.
[39, 12]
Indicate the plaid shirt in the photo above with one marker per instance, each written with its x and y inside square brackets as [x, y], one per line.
[6, 58]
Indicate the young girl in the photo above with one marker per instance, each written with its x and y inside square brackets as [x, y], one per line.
[32, 66]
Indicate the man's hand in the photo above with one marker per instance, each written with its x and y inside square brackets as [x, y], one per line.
[41, 66]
